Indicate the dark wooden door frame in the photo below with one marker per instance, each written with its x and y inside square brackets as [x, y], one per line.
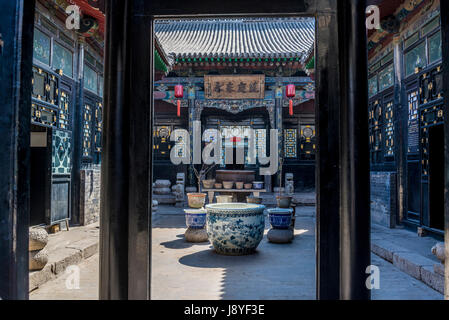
[342, 128]
[125, 241]
[16, 60]
[444, 9]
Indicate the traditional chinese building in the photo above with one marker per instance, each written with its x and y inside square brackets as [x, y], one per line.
[67, 107]
[406, 116]
[233, 75]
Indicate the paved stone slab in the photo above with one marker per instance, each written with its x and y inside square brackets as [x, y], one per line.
[385, 249]
[411, 263]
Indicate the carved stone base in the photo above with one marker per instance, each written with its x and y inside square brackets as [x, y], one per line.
[37, 259]
[280, 236]
[196, 235]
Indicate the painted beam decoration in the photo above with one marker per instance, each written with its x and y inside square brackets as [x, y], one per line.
[234, 87]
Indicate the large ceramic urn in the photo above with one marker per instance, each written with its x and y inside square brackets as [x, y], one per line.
[235, 228]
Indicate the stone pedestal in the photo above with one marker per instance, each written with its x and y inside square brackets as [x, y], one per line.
[280, 235]
[196, 235]
[38, 256]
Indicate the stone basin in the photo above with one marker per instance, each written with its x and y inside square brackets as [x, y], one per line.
[235, 228]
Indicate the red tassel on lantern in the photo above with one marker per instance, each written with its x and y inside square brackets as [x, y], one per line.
[179, 94]
[290, 93]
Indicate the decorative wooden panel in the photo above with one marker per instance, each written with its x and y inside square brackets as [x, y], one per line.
[415, 59]
[45, 86]
[375, 130]
[290, 143]
[162, 144]
[63, 59]
[43, 115]
[41, 47]
[87, 131]
[431, 85]
[413, 122]
[307, 142]
[64, 111]
[62, 153]
[389, 130]
[430, 117]
[98, 127]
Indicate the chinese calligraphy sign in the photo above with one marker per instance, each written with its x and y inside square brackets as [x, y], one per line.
[234, 86]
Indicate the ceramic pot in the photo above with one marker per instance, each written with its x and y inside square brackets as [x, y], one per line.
[196, 200]
[224, 199]
[280, 218]
[284, 201]
[228, 184]
[254, 200]
[258, 185]
[235, 228]
[248, 186]
[195, 219]
[235, 175]
[162, 184]
[218, 186]
[208, 184]
[239, 185]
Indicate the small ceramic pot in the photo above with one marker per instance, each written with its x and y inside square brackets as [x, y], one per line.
[196, 200]
[218, 186]
[280, 218]
[195, 219]
[228, 184]
[208, 184]
[239, 185]
[248, 186]
[258, 185]
[284, 201]
[235, 228]
[224, 199]
[254, 200]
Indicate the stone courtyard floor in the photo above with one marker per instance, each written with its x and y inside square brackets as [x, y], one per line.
[193, 271]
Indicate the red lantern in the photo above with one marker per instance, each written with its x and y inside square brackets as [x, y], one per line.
[291, 93]
[179, 94]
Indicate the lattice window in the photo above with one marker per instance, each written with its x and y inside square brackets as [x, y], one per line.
[64, 111]
[413, 122]
[429, 117]
[98, 127]
[389, 130]
[45, 86]
[87, 130]
[43, 115]
[290, 143]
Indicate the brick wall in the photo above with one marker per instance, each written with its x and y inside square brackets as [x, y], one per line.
[383, 198]
[90, 181]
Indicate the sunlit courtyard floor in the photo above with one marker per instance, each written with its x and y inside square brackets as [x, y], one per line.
[181, 270]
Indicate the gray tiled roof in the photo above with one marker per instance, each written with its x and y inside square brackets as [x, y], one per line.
[237, 38]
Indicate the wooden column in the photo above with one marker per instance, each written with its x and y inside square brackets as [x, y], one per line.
[355, 254]
[16, 60]
[327, 110]
[125, 248]
[445, 34]
[77, 134]
[400, 127]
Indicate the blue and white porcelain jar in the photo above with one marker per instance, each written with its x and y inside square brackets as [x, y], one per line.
[280, 218]
[235, 228]
[195, 219]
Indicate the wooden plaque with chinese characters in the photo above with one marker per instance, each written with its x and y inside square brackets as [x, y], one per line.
[234, 86]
